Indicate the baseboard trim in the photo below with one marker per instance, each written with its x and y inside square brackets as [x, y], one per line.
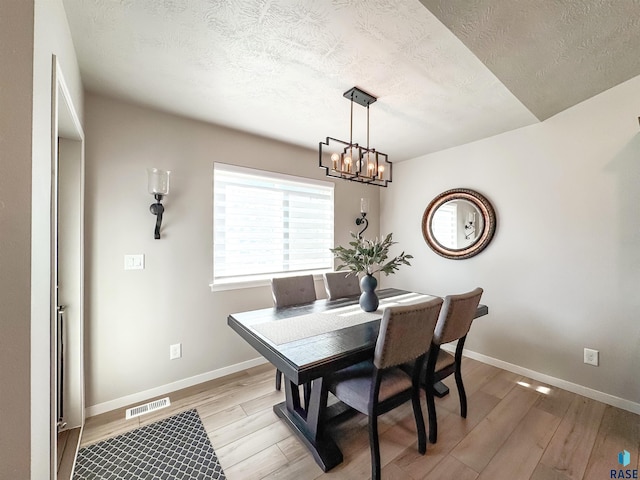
[170, 387]
[612, 400]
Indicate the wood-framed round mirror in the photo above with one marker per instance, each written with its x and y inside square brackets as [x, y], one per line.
[458, 223]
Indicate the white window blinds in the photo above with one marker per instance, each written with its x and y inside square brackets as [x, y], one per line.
[445, 225]
[266, 223]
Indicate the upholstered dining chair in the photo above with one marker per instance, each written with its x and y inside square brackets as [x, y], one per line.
[340, 285]
[288, 291]
[376, 386]
[454, 322]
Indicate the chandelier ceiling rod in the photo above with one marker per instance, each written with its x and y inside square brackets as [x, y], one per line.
[351, 126]
[367, 124]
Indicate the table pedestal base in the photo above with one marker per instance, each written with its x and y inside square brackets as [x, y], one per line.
[324, 450]
[440, 389]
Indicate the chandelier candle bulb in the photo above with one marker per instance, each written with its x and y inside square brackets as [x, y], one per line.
[335, 158]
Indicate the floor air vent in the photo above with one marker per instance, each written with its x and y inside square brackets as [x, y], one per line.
[147, 407]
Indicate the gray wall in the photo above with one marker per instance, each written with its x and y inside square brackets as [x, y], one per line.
[560, 274]
[135, 315]
[563, 270]
[16, 49]
[30, 33]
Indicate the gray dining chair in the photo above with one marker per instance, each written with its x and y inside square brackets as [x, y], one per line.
[288, 291]
[341, 284]
[454, 322]
[376, 386]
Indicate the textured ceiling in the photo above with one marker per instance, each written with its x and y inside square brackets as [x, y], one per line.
[550, 54]
[278, 68]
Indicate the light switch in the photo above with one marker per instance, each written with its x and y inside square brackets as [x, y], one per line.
[134, 262]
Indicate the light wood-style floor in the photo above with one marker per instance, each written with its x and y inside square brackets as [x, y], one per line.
[513, 431]
[67, 446]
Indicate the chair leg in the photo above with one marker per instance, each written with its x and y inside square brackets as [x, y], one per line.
[417, 412]
[374, 446]
[278, 379]
[431, 410]
[461, 392]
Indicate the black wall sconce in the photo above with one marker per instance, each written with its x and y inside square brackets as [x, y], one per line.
[364, 209]
[158, 185]
[470, 226]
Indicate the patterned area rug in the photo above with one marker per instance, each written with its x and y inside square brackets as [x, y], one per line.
[174, 448]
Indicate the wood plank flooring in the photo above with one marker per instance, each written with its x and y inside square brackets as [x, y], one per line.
[513, 431]
[67, 446]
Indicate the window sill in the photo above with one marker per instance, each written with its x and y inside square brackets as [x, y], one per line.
[258, 283]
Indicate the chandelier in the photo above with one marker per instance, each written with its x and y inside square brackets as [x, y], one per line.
[351, 161]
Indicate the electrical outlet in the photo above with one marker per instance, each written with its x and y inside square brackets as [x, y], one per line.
[591, 356]
[175, 351]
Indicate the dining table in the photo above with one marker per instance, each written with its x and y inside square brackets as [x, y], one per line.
[308, 343]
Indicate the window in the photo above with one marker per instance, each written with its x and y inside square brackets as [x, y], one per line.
[444, 225]
[266, 224]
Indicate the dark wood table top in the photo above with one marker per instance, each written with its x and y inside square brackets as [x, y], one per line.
[303, 360]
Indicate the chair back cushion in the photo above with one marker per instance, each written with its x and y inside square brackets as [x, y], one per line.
[405, 332]
[339, 285]
[293, 290]
[456, 316]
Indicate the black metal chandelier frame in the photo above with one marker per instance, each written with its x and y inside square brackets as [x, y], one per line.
[351, 161]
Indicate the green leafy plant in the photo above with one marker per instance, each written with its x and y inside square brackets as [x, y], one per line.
[369, 256]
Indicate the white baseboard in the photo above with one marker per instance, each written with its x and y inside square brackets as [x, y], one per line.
[170, 387]
[612, 400]
[205, 377]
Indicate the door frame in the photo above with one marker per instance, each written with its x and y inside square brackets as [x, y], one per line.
[65, 124]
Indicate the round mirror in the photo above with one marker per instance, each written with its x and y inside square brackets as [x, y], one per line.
[458, 223]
